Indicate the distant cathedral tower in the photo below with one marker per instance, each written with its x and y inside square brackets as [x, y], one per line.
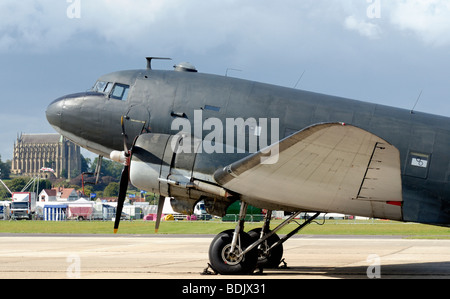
[32, 152]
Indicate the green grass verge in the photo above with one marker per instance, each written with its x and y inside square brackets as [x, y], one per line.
[376, 227]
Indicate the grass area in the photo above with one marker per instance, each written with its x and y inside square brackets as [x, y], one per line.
[376, 227]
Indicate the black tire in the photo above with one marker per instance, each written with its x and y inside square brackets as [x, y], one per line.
[273, 258]
[224, 263]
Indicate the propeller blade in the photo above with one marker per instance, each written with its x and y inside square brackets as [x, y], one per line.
[125, 171]
[158, 216]
[121, 199]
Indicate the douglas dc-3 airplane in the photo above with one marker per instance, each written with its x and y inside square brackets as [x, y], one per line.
[190, 136]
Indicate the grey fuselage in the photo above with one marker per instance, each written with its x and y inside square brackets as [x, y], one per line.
[93, 120]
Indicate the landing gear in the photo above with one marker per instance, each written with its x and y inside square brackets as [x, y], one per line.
[227, 260]
[234, 252]
[226, 252]
[267, 258]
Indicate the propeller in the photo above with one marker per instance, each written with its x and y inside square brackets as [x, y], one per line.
[123, 192]
[125, 158]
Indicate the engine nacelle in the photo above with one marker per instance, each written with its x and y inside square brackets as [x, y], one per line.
[173, 166]
[147, 161]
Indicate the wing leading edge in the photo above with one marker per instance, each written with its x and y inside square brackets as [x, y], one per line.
[329, 167]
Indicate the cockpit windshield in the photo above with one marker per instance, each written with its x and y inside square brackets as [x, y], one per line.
[116, 91]
[103, 87]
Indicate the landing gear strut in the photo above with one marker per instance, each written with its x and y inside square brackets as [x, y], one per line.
[234, 252]
[225, 251]
[267, 258]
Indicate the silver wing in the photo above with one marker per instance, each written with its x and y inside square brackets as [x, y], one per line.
[329, 167]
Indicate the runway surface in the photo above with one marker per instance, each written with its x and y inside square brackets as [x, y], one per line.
[186, 257]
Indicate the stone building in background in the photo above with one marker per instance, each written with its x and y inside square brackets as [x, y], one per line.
[33, 152]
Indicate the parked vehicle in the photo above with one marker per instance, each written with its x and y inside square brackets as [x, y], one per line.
[4, 210]
[79, 212]
[23, 205]
[200, 211]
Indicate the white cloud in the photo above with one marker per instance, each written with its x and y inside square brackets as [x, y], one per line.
[43, 25]
[364, 28]
[32, 25]
[428, 19]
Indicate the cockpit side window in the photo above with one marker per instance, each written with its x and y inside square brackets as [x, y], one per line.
[108, 87]
[120, 91]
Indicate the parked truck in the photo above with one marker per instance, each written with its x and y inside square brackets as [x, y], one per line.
[200, 211]
[79, 212]
[23, 205]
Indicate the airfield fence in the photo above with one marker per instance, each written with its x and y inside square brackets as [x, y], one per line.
[229, 218]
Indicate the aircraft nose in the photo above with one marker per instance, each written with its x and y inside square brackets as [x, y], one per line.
[54, 112]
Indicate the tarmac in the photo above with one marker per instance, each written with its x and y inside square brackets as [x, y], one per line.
[186, 257]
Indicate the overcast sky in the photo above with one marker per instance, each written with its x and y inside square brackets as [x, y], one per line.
[381, 51]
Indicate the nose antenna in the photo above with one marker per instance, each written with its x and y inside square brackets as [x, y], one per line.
[149, 61]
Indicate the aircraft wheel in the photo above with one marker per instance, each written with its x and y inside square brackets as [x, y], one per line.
[273, 258]
[226, 262]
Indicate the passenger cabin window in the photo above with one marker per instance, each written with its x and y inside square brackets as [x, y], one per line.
[120, 92]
